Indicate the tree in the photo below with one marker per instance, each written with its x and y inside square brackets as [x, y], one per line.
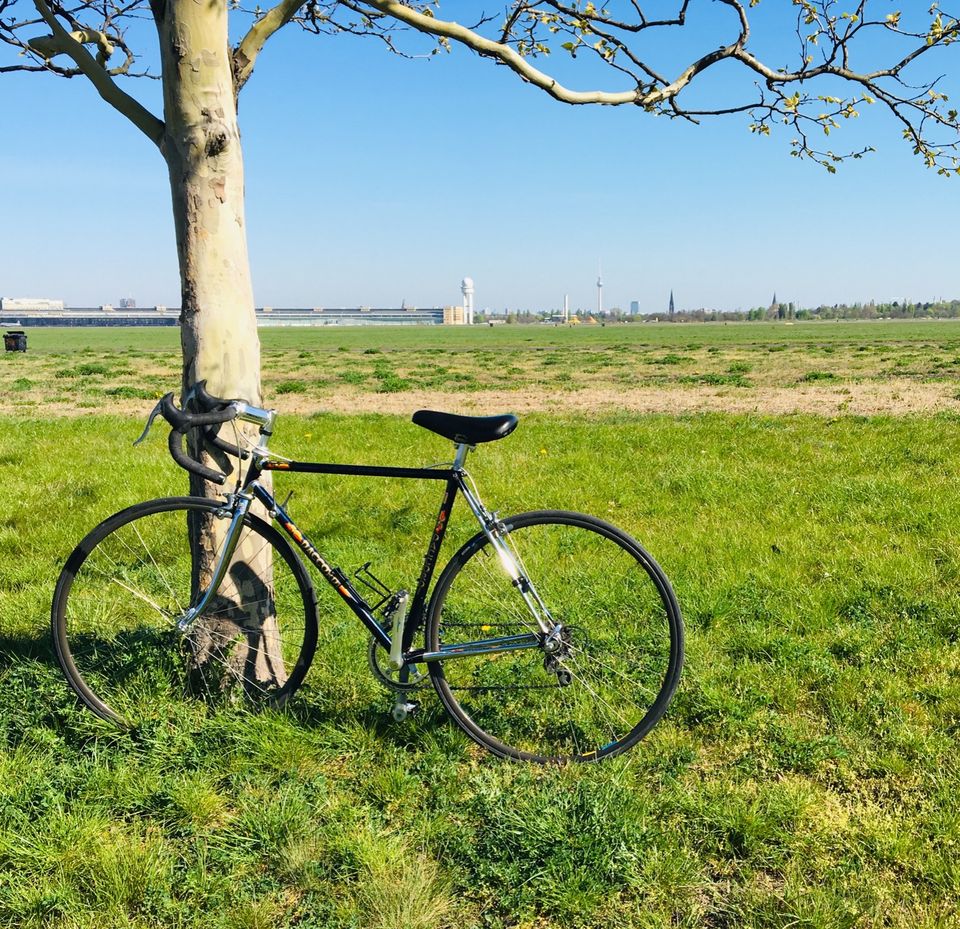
[832, 79]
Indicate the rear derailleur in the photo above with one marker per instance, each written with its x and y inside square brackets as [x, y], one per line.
[557, 649]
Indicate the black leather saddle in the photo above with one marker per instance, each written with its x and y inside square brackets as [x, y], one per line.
[467, 430]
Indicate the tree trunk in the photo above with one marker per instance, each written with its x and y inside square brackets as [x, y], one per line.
[218, 329]
[202, 149]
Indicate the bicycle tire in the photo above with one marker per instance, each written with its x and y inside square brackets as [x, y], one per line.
[593, 578]
[118, 597]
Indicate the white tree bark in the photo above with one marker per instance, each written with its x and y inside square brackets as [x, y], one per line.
[201, 145]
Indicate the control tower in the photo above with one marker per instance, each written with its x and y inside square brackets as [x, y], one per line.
[466, 288]
[599, 291]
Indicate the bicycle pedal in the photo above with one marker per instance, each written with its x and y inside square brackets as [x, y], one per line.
[404, 708]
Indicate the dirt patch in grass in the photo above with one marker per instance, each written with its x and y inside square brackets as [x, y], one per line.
[896, 397]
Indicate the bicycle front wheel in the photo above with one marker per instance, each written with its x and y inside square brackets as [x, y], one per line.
[125, 586]
[617, 660]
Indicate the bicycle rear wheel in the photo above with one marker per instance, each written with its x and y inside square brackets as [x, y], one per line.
[620, 652]
[122, 590]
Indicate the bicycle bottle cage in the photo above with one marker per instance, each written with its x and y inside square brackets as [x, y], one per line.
[365, 576]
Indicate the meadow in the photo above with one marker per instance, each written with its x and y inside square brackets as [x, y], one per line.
[804, 776]
[840, 367]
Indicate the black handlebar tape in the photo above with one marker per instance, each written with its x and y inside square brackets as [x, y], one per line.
[211, 436]
[182, 421]
[175, 442]
[206, 401]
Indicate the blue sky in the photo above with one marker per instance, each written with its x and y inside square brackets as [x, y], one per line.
[373, 179]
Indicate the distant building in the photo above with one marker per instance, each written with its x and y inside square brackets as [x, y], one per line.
[106, 315]
[351, 316]
[30, 305]
[672, 308]
[634, 307]
[127, 303]
[599, 290]
[466, 288]
[454, 316]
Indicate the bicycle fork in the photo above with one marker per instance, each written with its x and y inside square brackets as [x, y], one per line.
[237, 508]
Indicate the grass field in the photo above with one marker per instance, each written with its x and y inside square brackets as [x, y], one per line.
[880, 367]
[805, 775]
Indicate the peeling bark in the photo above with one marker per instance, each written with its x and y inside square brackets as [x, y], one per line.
[201, 145]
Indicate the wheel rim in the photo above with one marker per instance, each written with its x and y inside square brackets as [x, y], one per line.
[117, 613]
[618, 659]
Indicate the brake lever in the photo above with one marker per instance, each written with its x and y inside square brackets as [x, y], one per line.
[191, 396]
[153, 415]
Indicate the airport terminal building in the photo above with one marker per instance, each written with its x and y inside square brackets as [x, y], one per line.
[25, 313]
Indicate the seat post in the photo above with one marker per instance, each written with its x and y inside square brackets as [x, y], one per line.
[461, 456]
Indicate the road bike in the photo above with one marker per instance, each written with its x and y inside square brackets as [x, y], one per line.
[549, 635]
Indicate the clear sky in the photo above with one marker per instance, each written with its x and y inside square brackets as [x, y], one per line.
[372, 179]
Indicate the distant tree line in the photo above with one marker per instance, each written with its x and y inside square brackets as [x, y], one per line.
[899, 309]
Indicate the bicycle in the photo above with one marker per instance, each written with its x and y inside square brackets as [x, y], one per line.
[548, 636]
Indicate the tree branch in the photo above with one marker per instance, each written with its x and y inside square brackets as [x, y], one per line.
[122, 102]
[503, 53]
[528, 25]
[245, 54]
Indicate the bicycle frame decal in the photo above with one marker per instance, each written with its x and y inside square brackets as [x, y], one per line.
[341, 583]
[336, 578]
[418, 607]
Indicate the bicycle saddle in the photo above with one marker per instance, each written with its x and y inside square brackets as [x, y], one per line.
[466, 430]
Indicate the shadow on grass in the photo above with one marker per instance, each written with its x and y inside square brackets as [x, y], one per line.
[375, 718]
[38, 697]
[15, 648]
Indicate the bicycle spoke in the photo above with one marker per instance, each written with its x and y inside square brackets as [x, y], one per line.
[121, 647]
[154, 562]
[594, 681]
[143, 597]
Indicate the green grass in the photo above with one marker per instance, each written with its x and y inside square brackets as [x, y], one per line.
[775, 336]
[332, 366]
[804, 776]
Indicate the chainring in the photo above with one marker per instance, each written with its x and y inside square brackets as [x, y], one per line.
[379, 662]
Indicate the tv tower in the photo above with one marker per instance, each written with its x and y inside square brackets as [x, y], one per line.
[599, 289]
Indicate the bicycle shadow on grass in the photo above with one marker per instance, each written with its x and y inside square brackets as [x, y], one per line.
[37, 695]
[20, 647]
[373, 716]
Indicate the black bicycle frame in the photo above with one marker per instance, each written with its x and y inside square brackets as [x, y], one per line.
[340, 582]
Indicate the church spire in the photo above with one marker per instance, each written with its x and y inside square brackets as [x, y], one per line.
[671, 303]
